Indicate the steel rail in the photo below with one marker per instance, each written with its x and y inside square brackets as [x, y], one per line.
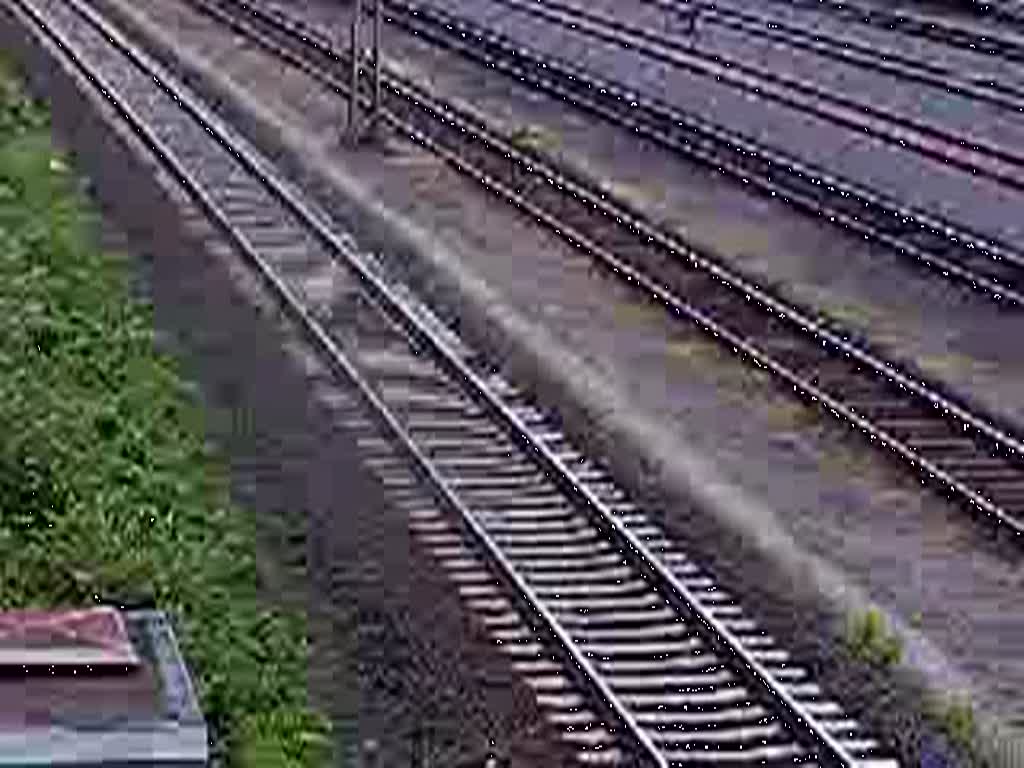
[398, 312]
[732, 153]
[334, 354]
[723, 638]
[930, 28]
[644, 231]
[1007, 97]
[999, 10]
[926, 139]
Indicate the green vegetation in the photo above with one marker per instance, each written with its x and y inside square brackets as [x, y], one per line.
[868, 639]
[105, 483]
[535, 138]
[784, 412]
[954, 714]
[954, 364]
[641, 192]
[958, 721]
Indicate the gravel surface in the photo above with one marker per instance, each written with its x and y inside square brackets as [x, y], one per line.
[946, 332]
[395, 660]
[928, 184]
[804, 482]
[978, 63]
[929, 105]
[960, 13]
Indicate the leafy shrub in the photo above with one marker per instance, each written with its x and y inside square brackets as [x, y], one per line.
[106, 486]
[868, 639]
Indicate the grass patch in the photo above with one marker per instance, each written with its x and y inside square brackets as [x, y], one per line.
[106, 486]
[737, 379]
[846, 312]
[788, 413]
[846, 461]
[958, 721]
[693, 350]
[868, 639]
[535, 138]
[756, 380]
[628, 310]
[644, 191]
[954, 715]
[954, 364]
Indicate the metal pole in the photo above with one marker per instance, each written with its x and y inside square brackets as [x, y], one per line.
[378, 23]
[370, 753]
[353, 102]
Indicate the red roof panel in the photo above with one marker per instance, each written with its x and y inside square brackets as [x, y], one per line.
[92, 637]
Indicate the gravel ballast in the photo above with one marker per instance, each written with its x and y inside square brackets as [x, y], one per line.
[394, 657]
[809, 518]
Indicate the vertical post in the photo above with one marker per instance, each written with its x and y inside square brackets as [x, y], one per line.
[378, 23]
[370, 754]
[428, 747]
[353, 103]
[416, 748]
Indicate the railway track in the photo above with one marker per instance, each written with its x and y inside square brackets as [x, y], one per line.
[1009, 12]
[986, 160]
[944, 439]
[931, 28]
[639, 656]
[949, 250]
[1005, 96]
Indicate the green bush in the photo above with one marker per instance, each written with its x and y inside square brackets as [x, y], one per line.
[868, 639]
[954, 714]
[958, 721]
[18, 113]
[105, 483]
[533, 137]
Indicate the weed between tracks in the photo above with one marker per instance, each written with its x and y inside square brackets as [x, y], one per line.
[105, 485]
[534, 137]
[869, 639]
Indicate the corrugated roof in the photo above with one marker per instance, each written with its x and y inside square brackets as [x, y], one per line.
[93, 637]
